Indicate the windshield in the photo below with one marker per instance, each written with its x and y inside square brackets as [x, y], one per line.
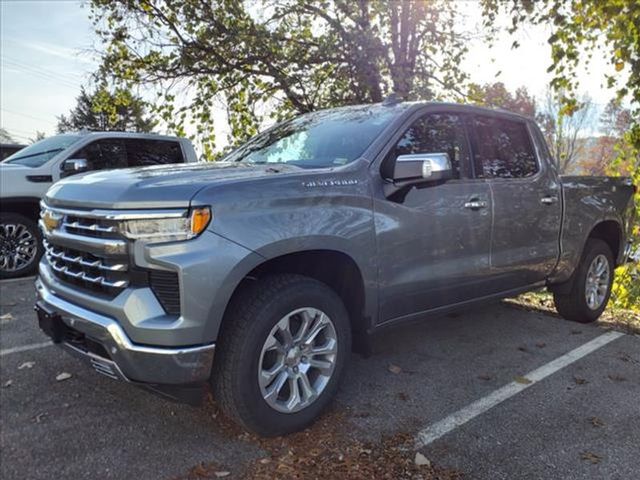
[41, 152]
[320, 139]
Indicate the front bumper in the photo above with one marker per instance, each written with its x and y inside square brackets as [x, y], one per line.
[104, 344]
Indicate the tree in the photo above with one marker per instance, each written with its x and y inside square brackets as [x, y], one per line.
[496, 95]
[103, 110]
[5, 136]
[580, 29]
[565, 132]
[272, 59]
[37, 137]
[615, 122]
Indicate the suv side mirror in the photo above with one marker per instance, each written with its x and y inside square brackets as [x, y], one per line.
[422, 167]
[72, 166]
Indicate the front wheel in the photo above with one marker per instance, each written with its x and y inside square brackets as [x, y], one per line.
[591, 287]
[281, 354]
[20, 245]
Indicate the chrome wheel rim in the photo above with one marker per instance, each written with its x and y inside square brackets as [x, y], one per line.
[297, 360]
[597, 284]
[18, 247]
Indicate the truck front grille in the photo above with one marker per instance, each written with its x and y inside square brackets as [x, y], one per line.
[91, 272]
[90, 227]
[86, 250]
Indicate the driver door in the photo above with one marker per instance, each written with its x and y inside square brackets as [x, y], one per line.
[434, 240]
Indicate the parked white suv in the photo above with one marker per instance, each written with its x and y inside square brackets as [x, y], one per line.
[26, 176]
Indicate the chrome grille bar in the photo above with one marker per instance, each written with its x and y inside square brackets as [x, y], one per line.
[80, 275]
[59, 254]
[94, 227]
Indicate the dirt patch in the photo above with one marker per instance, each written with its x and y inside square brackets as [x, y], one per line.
[327, 449]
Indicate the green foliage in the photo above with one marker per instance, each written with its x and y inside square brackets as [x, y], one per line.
[580, 29]
[496, 95]
[626, 291]
[270, 60]
[102, 109]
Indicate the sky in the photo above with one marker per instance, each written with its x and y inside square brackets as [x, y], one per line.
[46, 55]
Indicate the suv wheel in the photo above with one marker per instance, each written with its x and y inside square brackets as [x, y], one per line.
[20, 246]
[281, 354]
[591, 286]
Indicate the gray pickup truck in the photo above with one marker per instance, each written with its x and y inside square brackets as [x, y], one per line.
[259, 274]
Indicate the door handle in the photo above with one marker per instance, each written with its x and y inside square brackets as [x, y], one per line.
[549, 200]
[475, 204]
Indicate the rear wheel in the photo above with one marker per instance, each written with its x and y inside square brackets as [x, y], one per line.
[591, 287]
[20, 245]
[281, 354]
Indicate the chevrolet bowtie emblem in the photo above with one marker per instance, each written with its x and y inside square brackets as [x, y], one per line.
[51, 220]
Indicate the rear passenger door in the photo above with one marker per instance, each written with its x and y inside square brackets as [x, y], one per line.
[146, 152]
[526, 200]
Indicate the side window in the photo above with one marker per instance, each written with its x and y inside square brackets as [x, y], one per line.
[436, 133]
[153, 152]
[103, 154]
[503, 148]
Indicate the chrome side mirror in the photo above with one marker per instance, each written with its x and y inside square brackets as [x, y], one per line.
[422, 167]
[72, 166]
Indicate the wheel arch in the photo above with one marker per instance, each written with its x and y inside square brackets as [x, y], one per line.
[609, 231]
[26, 206]
[335, 268]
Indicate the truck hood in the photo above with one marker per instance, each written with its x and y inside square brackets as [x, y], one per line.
[166, 186]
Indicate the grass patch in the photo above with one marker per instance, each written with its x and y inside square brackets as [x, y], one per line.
[620, 319]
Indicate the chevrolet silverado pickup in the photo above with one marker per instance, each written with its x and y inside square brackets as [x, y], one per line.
[26, 175]
[258, 275]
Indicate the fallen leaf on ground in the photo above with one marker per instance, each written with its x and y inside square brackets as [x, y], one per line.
[26, 365]
[394, 369]
[596, 422]
[63, 376]
[484, 377]
[222, 474]
[38, 418]
[420, 460]
[580, 381]
[541, 344]
[617, 378]
[403, 396]
[590, 456]
[8, 383]
[523, 349]
[522, 380]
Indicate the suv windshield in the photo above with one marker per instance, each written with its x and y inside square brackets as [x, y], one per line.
[320, 139]
[41, 152]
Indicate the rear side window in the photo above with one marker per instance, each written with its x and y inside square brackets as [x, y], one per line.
[141, 153]
[436, 133]
[503, 148]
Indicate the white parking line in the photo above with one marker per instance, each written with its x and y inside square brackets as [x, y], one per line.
[24, 348]
[453, 421]
[15, 280]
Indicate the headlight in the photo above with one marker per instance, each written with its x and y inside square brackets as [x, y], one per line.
[188, 225]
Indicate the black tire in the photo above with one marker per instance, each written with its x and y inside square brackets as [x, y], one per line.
[250, 318]
[31, 267]
[573, 305]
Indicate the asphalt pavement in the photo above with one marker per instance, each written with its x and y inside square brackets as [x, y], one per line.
[581, 419]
